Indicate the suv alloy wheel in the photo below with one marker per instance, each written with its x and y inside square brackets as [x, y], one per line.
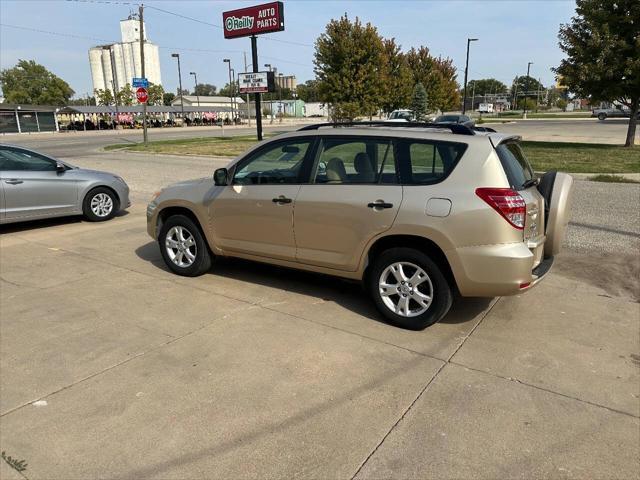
[409, 288]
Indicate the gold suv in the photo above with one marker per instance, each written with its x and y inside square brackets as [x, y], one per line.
[415, 211]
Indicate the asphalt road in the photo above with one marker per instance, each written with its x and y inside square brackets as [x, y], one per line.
[588, 130]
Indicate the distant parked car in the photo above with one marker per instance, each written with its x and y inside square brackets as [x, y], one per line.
[459, 119]
[604, 113]
[401, 116]
[35, 186]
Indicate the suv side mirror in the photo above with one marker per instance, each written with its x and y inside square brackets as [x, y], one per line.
[60, 167]
[220, 177]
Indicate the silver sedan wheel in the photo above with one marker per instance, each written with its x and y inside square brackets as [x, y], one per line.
[406, 289]
[181, 246]
[101, 205]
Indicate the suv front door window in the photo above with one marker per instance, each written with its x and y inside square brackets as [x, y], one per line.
[254, 214]
[354, 196]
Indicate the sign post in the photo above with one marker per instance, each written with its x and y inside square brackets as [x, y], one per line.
[249, 22]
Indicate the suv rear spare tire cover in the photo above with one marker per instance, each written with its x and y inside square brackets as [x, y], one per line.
[559, 213]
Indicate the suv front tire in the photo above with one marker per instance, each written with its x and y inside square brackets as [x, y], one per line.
[183, 247]
[409, 289]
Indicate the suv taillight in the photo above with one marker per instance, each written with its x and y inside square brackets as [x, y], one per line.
[506, 202]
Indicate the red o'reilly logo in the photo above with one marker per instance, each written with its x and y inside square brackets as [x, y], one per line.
[235, 23]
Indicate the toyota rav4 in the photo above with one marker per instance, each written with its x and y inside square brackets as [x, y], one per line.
[417, 212]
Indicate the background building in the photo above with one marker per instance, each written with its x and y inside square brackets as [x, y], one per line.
[124, 59]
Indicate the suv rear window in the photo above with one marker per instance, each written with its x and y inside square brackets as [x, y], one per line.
[515, 164]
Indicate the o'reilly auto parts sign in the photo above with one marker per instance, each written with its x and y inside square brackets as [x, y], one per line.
[244, 22]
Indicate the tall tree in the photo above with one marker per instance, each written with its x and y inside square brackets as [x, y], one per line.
[308, 91]
[205, 90]
[397, 78]
[30, 82]
[347, 65]
[602, 44]
[525, 86]
[485, 86]
[168, 97]
[125, 96]
[438, 75]
[155, 93]
[419, 102]
[104, 97]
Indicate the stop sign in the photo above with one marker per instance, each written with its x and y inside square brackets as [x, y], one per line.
[141, 95]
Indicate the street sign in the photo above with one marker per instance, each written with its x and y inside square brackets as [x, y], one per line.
[256, 82]
[245, 22]
[140, 82]
[141, 95]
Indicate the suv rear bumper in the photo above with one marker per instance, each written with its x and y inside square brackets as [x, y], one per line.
[496, 270]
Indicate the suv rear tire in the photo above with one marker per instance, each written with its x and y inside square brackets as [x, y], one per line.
[183, 247]
[408, 288]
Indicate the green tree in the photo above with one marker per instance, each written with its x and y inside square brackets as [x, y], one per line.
[308, 91]
[397, 78]
[205, 90]
[155, 93]
[562, 104]
[438, 75]
[419, 102]
[168, 97]
[104, 97]
[485, 86]
[126, 95]
[31, 83]
[602, 44]
[525, 86]
[348, 56]
[531, 103]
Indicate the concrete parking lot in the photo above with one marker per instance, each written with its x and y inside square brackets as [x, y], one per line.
[114, 368]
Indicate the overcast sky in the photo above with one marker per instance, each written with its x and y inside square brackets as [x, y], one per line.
[511, 34]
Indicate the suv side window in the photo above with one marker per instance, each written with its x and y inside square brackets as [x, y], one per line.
[359, 160]
[23, 160]
[428, 161]
[277, 163]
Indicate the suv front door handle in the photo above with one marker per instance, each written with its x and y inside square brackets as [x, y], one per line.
[13, 181]
[380, 204]
[281, 199]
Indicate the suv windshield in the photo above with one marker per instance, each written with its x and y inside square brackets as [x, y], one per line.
[406, 115]
[515, 164]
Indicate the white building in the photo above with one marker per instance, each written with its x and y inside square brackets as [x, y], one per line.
[206, 101]
[124, 59]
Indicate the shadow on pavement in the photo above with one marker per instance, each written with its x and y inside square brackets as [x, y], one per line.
[346, 293]
[28, 225]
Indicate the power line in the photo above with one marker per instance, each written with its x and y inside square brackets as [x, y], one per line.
[59, 34]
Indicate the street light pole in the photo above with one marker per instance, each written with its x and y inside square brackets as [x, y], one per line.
[228, 62]
[281, 106]
[268, 65]
[233, 95]
[526, 90]
[466, 72]
[177, 55]
[195, 79]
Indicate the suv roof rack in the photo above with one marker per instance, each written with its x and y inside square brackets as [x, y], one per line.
[454, 127]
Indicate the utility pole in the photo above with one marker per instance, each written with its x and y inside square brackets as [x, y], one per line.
[144, 105]
[268, 65]
[228, 62]
[177, 55]
[515, 94]
[526, 90]
[466, 71]
[538, 94]
[248, 103]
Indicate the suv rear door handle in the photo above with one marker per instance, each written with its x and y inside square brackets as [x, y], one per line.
[281, 199]
[13, 181]
[380, 204]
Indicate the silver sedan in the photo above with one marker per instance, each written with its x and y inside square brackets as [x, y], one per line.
[35, 186]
